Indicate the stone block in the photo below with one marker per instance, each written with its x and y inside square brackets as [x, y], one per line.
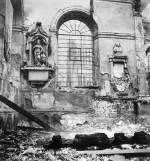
[43, 100]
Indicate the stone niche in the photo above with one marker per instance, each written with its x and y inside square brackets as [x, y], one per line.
[36, 68]
[120, 78]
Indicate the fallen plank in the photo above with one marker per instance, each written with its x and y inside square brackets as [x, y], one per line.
[25, 113]
[145, 152]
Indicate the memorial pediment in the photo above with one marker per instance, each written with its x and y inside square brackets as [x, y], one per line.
[120, 77]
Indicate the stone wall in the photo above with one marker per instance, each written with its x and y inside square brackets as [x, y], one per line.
[79, 109]
[122, 25]
[120, 19]
[10, 64]
[119, 26]
[7, 10]
[74, 109]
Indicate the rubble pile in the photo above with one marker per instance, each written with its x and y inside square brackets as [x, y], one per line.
[122, 125]
[24, 146]
[107, 125]
[12, 142]
[67, 154]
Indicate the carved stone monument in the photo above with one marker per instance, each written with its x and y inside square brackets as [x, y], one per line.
[120, 78]
[36, 67]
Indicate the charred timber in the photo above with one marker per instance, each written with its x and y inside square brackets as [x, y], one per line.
[98, 141]
[25, 113]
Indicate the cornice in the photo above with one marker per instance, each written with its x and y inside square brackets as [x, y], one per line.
[115, 35]
[145, 21]
[146, 26]
[18, 28]
[2, 14]
[147, 37]
[120, 1]
[52, 30]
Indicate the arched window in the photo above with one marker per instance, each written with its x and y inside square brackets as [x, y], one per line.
[148, 68]
[148, 60]
[75, 54]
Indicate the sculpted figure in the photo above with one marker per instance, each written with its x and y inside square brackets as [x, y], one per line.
[37, 46]
[43, 59]
[117, 49]
[37, 55]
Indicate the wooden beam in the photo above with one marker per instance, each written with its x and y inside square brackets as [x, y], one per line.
[133, 152]
[25, 113]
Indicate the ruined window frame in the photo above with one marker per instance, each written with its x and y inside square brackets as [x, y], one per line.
[148, 61]
[85, 74]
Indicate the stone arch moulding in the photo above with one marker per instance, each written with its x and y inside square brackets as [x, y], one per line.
[147, 48]
[82, 14]
[78, 10]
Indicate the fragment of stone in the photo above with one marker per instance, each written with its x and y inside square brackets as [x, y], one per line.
[30, 150]
[126, 146]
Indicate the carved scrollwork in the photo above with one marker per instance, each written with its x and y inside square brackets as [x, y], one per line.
[121, 84]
